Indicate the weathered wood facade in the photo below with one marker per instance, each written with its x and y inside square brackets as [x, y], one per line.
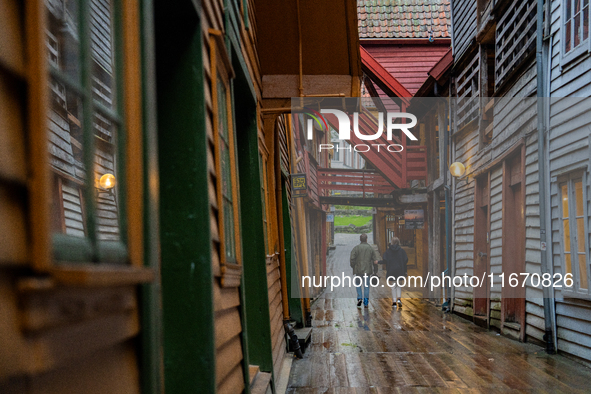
[496, 138]
[493, 48]
[197, 206]
[568, 154]
[72, 257]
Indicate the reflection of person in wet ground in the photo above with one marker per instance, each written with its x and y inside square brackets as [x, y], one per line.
[363, 258]
[396, 261]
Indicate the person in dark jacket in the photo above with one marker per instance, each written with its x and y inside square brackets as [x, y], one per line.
[395, 260]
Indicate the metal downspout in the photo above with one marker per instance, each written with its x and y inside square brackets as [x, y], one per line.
[446, 133]
[550, 41]
[548, 336]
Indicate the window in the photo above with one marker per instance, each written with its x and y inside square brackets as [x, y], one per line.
[86, 131]
[88, 202]
[346, 153]
[574, 233]
[225, 162]
[264, 200]
[575, 27]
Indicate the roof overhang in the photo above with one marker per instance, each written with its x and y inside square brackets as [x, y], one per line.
[329, 47]
[439, 74]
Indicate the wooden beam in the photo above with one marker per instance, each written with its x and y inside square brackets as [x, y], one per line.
[286, 86]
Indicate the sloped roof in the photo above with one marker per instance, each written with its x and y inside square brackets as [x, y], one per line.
[404, 18]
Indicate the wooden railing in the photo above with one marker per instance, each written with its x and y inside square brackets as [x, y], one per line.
[468, 91]
[349, 180]
[515, 38]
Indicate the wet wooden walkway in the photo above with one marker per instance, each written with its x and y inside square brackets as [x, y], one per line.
[419, 349]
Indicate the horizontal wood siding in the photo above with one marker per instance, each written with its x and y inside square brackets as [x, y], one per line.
[568, 150]
[463, 25]
[228, 324]
[276, 312]
[102, 44]
[496, 243]
[409, 64]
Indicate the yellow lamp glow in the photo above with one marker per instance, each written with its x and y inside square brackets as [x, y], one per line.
[457, 169]
[107, 181]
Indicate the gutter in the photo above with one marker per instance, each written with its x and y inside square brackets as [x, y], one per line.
[542, 48]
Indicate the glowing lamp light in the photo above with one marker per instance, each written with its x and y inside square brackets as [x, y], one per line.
[457, 169]
[107, 181]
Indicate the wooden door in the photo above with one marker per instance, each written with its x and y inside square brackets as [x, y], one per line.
[482, 245]
[513, 298]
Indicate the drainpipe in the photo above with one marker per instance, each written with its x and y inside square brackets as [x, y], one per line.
[446, 133]
[293, 338]
[540, 48]
[550, 39]
[301, 67]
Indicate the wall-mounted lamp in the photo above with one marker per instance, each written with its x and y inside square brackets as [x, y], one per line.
[457, 169]
[107, 181]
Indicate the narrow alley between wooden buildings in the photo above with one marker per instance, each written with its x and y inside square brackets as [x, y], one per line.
[417, 348]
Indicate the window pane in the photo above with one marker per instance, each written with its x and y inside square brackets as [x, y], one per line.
[262, 172]
[579, 196]
[577, 30]
[62, 38]
[567, 13]
[567, 264]
[585, 21]
[65, 145]
[564, 196]
[580, 235]
[226, 171]
[103, 52]
[106, 179]
[566, 232]
[71, 205]
[583, 271]
[567, 36]
[229, 244]
[577, 6]
[222, 111]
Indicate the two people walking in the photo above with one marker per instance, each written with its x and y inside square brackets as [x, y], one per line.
[364, 261]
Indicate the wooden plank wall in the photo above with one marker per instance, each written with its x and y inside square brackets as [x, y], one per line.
[230, 378]
[276, 312]
[228, 325]
[465, 150]
[496, 244]
[514, 120]
[409, 64]
[569, 149]
[14, 234]
[464, 25]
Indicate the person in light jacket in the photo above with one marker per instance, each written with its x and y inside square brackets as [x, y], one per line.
[395, 260]
[363, 258]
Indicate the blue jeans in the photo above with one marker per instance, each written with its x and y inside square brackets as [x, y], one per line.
[365, 291]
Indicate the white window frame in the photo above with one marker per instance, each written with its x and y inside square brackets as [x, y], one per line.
[569, 179]
[584, 46]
